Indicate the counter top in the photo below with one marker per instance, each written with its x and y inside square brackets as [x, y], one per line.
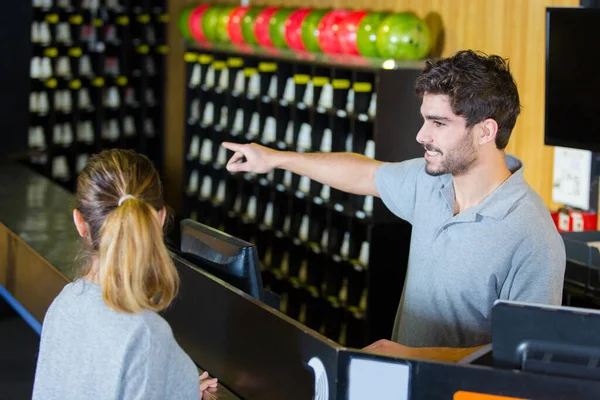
[39, 212]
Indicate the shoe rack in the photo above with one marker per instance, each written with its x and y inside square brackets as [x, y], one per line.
[96, 81]
[337, 260]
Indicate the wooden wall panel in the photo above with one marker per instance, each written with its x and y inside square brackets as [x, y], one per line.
[174, 110]
[28, 277]
[514, 29]
[5, 255]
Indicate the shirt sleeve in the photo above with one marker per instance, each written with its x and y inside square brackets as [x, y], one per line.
[537, 273]
[397, 186]
[158, 369]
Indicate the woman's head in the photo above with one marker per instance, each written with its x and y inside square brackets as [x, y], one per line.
[126, 240]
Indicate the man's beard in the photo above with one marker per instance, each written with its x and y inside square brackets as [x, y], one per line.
[456, 161]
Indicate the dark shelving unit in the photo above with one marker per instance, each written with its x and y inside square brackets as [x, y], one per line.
[337, 260]
[96, 82]
[14, 77]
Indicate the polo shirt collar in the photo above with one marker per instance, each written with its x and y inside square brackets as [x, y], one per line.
[498, 204]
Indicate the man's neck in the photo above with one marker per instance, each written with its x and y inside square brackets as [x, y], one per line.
[474, 186]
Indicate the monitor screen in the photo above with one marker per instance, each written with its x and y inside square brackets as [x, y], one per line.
[539, 338]
[572, 78]
[224, 256]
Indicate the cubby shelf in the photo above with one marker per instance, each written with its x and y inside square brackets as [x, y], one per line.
[96, 81]
[337, 260]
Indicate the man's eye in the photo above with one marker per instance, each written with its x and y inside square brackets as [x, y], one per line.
[437, 124]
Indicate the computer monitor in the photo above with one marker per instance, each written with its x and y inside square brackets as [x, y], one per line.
[228, 258]
[554, 340]
[572, 79]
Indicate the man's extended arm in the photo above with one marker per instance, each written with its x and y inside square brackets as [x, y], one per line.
[348, 172]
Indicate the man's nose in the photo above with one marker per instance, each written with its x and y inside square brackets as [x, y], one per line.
[423, 136]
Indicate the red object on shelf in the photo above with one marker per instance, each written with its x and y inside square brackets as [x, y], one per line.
[347, 32]
[234, 26]
[328, 28]
[567, 220]
[261, 26]
[195, 22]
[293, 29]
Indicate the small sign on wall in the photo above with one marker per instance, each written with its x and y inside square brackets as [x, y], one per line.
[572, 177]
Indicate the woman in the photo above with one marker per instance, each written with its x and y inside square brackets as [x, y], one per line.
[102, 337]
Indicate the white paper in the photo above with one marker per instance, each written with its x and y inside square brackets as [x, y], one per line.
[594, 244]
[377, 379]
[572, 177]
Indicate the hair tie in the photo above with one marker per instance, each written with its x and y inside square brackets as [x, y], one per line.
[125, 197]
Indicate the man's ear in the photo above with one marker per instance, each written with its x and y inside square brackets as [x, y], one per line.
[80, 224]
[488, 129]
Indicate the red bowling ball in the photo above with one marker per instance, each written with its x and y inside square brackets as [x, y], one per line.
[347, 32]
[293, 29]
[328, 28]
[195, 22]
[234, 27]
[261, 26]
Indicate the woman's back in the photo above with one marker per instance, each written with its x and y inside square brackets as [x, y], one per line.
[102, 337]
[90, 351]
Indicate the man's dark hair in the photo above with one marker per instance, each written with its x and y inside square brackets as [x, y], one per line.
[479, 86]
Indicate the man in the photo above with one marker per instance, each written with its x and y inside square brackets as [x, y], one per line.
[480, 232]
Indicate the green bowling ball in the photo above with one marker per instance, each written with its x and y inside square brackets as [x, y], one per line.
[310, 30]
[210, 20]
[366, 34]
[183, 23]
[248, 25]
[221, 31]
[403, 36]
[277, 27]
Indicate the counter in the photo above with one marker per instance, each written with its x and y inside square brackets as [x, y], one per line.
[254, 350]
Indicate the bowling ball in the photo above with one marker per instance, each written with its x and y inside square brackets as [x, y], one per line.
[366, 35]
[277, 27]
[346, 33]
[234, 28]
[210, 20]
[195, 22]
[310, 30]
[403, 36]
[293, 29]
[261, 26]
[328, 28]
[248, 25]
[183, 23]
[222, 33]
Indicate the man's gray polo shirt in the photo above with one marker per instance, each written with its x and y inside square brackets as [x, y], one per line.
[507, 247]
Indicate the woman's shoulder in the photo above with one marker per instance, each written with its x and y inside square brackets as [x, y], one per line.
[157, 326]
[82, 300]
[78, 288]
[74, 293]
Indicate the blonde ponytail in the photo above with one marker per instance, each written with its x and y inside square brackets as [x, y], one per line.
[136, 273]
[126, 240]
